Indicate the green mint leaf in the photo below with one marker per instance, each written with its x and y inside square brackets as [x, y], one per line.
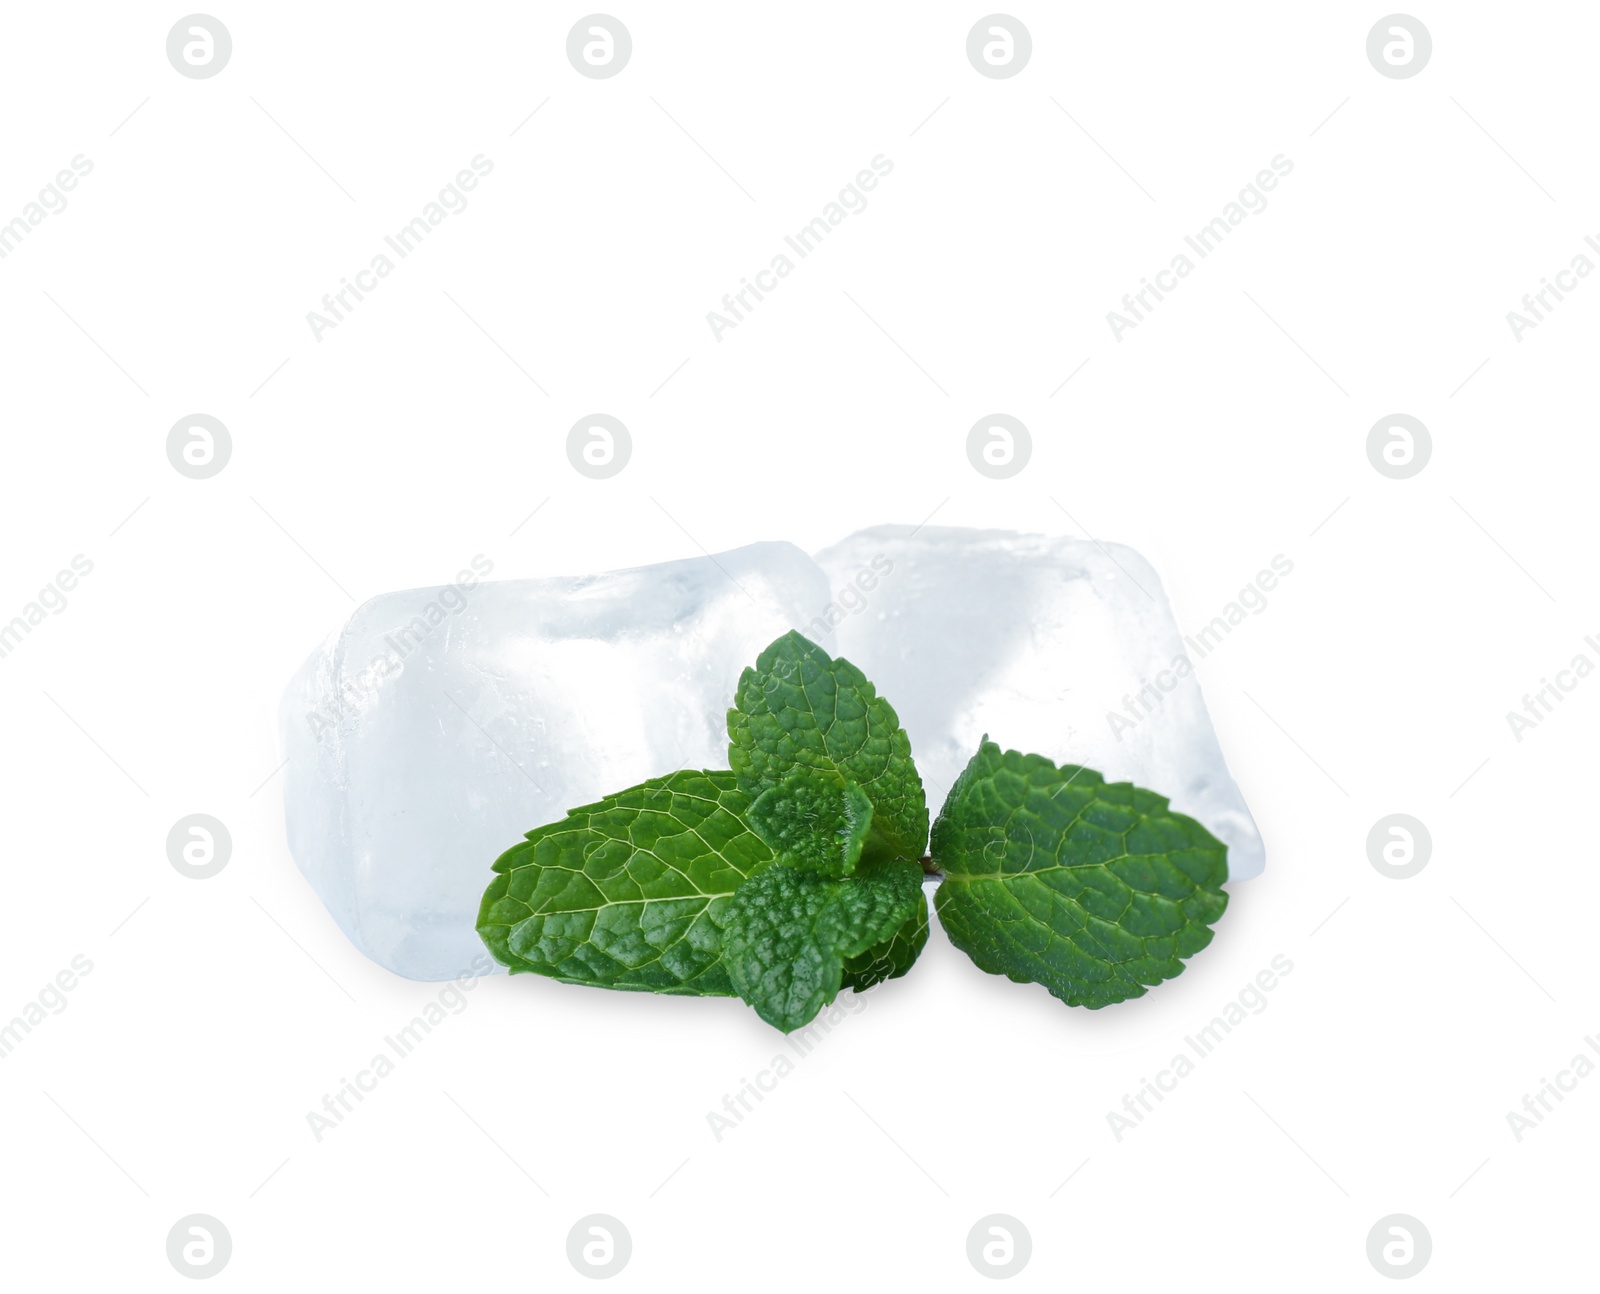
[790, 933]
[1094, 890]
[893, 957]
[812, 823]
[799, 708]
[631, 892]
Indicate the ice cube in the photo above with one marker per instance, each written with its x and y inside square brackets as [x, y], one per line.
[1062, 647]
[439, 725]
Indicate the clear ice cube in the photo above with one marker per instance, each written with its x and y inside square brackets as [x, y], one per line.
[439, 725]
[1037, 642]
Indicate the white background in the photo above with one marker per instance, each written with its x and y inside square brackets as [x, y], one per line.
[416, 434]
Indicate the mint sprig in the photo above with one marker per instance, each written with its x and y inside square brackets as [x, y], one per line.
[799, 871]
